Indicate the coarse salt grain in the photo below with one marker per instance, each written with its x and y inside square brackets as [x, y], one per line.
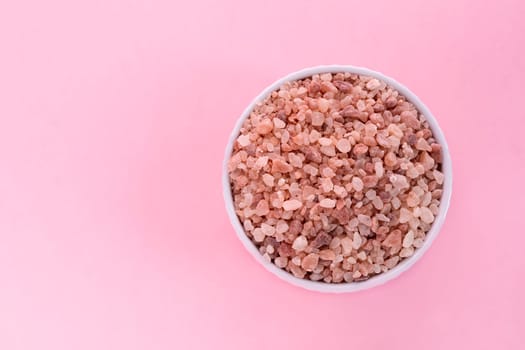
[258, 235]
[357, 184]
[300, 243]
[243, 140]
[406, 252]
[438, 175]
[323, 105]
[327, 203]
[265, 126]
[268, 180]
[278, 123]
[346, 244]
[292, 204]
[281, 262]
[356, 241]
[309, 262]
[281, 227]
[408, 239]
[327, 254]
[343, 146]
[262, 208]
[373, 84]
[325, 141]
[268, 230]
[317, 118]
[426, 215]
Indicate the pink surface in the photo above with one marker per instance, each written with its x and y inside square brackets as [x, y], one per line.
[114, 117]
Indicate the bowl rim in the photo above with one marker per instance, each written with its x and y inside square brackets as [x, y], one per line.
[377, 279]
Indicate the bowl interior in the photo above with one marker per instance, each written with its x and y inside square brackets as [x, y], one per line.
[377, 279]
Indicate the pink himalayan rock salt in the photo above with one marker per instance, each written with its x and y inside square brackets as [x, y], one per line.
[243, 140]
[280, 166]
[339, 136]
[343, 145]
[309, 262]
[265, 126]
[327, 203]
[300, 243]
[292, 204]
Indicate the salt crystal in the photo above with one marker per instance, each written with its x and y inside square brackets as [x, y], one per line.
[410, 119]
[406, 252]
[404, 215]
[310, 170]
[390, 159]
[258, 235]
[394, 130]
[418, 243]
[265, 126]
[361, 256]
[373, 84]
[346, 244]
[382, 217]
[262, 208]
[426, 160]
[426, 215]
[281, 262]
[310, 262]
[326, 184]
[357, 184]
[323, 105]
[248, 226]
[268, 230]
[412, 199]
[314, 136]
[390, 263]
[327, 254]
[278, 123]
[295, 160]
[364, 219]
[268, 180]
[378, 168]
[357, 241]
[396, 203]
[292, 204]
[243, 140]
[391, 102]
[327, 203]
[438, 175]
[393, 240]
[260, 162]
[378, 203]
[408, 239]
[328, 150]
[412, 172]
[423, 145]
[370, 181]
[326, 76]
[280, 166]
[317, 118]
[327, 172]
[300, 243]
[343, 145]
[360, 149]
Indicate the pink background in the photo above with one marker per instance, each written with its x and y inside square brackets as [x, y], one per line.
[114, 116]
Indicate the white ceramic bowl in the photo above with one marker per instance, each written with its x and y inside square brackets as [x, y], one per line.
[380, 278]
